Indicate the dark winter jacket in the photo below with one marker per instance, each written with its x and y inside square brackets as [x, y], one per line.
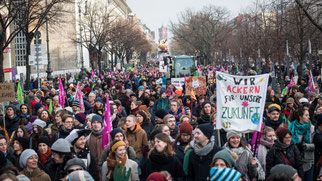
[178, 148]
[158, 162]
[55, 171]
[204, 118]
[11, 124]
[90, 162]
[61, 133]
[291, 153]
[199, 166]
[317, 140]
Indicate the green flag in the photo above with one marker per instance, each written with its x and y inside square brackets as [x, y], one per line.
[19, 94]
[50, 109]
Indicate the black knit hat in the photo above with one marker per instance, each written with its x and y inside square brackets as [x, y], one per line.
[205, 102]
[115, 131]
[23, 142]
[44, 139]
[207, 129]
[160, 113]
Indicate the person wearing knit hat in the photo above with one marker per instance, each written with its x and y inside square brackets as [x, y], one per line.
[44, 151]
[183, 139]
[77, 140]
[203, 150]
[94, 141]
[19, 145]
[287, 170]
[116, 158]
[80, 121]
[224, 159]
[245, 161]
[61, 153]
[80, 175]
[159, 115]
[76, 106]
[224, 174]
[232, 133]
[117, 135]
[29, 162]
[11, 119]
[141, 88]
[289, 107]
[40, 123]
[274, 118]
[74, 164]
[156, 176]
[207, 129]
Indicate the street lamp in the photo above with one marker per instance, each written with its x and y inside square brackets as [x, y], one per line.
[49, 71]
[83, 70]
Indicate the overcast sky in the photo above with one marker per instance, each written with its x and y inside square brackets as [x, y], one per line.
[155, 13]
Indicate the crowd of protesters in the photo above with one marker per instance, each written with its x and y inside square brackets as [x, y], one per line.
[159, 133]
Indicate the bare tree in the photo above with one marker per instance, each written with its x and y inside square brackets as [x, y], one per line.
[312, 10]
[32, 15]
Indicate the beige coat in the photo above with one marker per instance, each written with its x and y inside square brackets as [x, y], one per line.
[128, 164]
[36, 175]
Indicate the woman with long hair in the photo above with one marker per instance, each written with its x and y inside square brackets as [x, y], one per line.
[302, 129]
[19, 132]
[266, 143]
[162, 157]
[37, 132]
[248, 165]
[118, 158]
[44, 152]
[134, 107]
[19, 144]
[206, 111]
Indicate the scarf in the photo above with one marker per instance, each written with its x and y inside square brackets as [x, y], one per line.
[97, 132]
[43, 157]
[297, 129]
[111, 163]
[204, 150]
[159, 158]
[27, 116]
[274, 124]
[265, 143]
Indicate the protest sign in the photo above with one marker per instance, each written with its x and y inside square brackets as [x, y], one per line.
[197, 83]
[178, 83]
[7, 92]
[240, 101]
[162, 67]
[47, 83]
[159, 81]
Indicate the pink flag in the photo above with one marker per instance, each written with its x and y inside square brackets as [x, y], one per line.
[290, 84]
[227, 69]
[221, 69]
[93, 74]
[311, 87]
[102, 77]
[256, 140]
[107, 124]
[62, 94]
[79, 97]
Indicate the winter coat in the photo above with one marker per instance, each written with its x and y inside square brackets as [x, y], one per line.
[54, 170]
[36, 175]
[11, 124]
[95, 146]
[317, 140]
[61, 133]
[158, 162]
[243, 164]
[204, 118]
[160, 104]
[128, 164]
[147, 127]
[178, 148]
[275, 157]
[89, 161]
[263, 148]
[198, 167]
[137, 139]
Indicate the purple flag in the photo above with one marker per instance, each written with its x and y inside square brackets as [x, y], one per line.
[107, 127]
[79, 97]
[62, 94]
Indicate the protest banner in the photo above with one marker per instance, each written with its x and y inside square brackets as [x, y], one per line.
[47, 83]
[240, 101]
[197, 83]
[7, 92]
[178, 83]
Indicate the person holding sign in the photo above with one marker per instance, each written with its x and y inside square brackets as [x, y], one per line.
[248, 165]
